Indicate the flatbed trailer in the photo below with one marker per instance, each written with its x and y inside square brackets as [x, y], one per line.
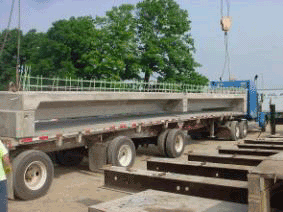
[107, 126]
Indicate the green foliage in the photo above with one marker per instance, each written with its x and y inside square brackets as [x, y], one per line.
[8, 59]
[114, 47]
[165, 43]
[52, 59]
[127, 43]
[30, 44]
[77, 35]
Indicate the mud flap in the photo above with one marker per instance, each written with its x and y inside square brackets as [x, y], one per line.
[223, 132]
[228, 131]
[10, 187]
[97, 156]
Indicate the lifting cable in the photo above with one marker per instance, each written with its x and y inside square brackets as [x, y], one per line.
[226, 25]
[18, 49]
[8, 28]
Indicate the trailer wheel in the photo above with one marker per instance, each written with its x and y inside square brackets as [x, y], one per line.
[71, 157]
[121, 152]
[235, 130]
[243, 125]
[33, 174]
[175, 143]
[161, 142]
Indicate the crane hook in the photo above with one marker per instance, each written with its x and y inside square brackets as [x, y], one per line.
[226, 22]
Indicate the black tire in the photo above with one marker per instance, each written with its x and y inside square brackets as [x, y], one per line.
[137, 145]
[243, 126]
[174, 137]
[42, 165]
[121, 145]
[72, 157]
[235, 130]
[161, 142]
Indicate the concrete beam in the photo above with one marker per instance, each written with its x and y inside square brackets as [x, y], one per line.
[19, 111]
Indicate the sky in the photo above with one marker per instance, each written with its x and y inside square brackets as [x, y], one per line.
[255, 38]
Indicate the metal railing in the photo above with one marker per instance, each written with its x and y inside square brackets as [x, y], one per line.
[29, 83]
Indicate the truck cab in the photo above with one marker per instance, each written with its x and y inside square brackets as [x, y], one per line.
[254, 100]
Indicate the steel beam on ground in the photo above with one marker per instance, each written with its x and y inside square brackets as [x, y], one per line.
[256, 152]
[225, 171]
[271, 142]
[259, 146]
[221, 189]
[227, 159]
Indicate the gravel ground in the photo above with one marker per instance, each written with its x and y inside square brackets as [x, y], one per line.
[76, 188]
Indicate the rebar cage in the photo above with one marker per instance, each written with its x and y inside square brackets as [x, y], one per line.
[39, 83]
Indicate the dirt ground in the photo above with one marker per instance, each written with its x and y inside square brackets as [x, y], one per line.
[76, 188]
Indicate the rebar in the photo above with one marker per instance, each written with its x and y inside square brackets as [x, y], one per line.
[40, 83]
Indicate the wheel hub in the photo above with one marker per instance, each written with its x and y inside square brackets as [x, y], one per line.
[237, 132]
[179, 143]
[245, 130]
[125, 155]
[35, 175]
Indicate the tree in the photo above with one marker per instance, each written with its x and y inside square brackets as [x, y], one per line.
[30, 44]
[52, 59]
[165, 43]
[76, 35]
[8, 58]
[114, 54]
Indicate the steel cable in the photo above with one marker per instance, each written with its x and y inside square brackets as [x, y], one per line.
[226, 41]
[8, 27]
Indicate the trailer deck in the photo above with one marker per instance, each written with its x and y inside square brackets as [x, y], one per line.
[110, 123]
